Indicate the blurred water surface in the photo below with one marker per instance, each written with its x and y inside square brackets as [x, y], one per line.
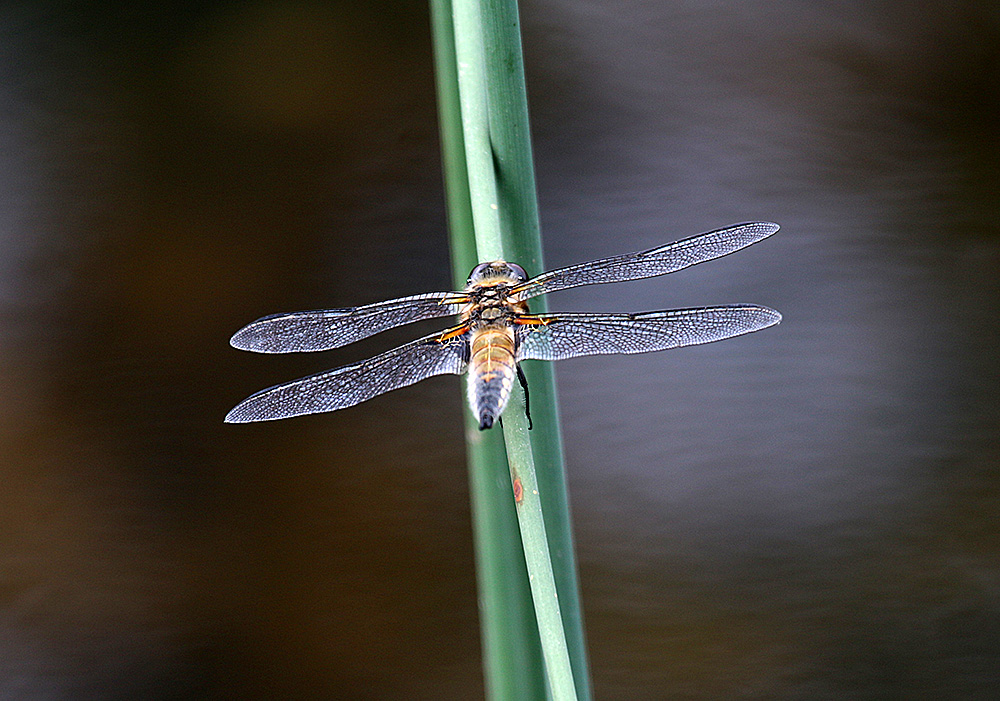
[805, 513]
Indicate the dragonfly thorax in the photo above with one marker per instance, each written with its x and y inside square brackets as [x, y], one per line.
[493, 313]
[492, 308]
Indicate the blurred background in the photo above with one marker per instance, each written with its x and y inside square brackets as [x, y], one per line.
[805, 513]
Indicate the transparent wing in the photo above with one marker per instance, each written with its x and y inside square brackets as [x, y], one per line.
[324, 329]
[656, 261]
[561, 336]
[358, 382]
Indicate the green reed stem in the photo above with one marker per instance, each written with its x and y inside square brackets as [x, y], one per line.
[484, 115]
[512, 655]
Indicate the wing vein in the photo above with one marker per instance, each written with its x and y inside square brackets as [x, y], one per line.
[355, 383]
[323, 329]
[656, 261]
[562, 336]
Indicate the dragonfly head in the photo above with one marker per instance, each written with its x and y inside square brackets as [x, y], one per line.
[497, 271]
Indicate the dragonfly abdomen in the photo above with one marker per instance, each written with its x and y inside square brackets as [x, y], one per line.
[491, 372]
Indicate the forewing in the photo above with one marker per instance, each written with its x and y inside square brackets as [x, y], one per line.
[358, 382]
[562, 336]
[331, 328]
[656, 261]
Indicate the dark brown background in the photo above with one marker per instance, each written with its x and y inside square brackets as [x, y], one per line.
[806, 513]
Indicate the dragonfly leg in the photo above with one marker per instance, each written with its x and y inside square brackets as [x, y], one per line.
[524, 385]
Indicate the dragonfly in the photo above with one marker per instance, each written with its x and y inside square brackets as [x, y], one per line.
[495, 330]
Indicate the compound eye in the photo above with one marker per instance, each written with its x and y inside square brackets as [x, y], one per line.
[518, 272]
[479, 272]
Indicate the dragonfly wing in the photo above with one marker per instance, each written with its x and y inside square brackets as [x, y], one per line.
[358, 382]
[656, 261]
[324, 329]
[561, 336]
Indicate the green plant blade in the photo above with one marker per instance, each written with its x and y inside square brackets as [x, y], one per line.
[512, 656]
[519, 225]
[492, 126]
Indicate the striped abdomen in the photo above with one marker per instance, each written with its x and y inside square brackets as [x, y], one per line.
[491, 372]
